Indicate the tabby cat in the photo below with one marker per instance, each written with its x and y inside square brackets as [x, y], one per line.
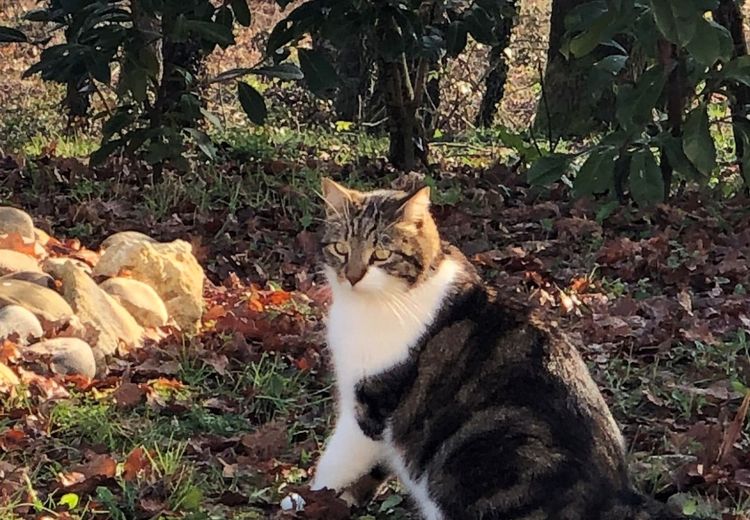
[482, 412]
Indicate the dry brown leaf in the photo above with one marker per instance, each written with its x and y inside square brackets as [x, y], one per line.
[685, 300]
[129, 395]
[136, 462]
[9, 351]
[732, 433]
[16, 242]
[268, 442]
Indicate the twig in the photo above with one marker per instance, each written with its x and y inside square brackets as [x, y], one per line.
[101, 96]
[547, 113]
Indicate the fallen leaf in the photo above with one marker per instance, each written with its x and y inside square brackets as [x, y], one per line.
[278, 298]
[686, 301]
[233, 498]
[100, 465]
[9, 351]
[732, 433]
[136, 462]
[129, 395]
[16, 242]
[268, 442]
[324, 505]
[71, 478]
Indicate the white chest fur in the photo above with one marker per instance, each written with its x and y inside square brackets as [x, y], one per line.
[370, 331]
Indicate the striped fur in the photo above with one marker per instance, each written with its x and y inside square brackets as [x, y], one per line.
[481, 411]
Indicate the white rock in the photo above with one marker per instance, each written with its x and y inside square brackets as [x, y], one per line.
[106, 325]
[139, 299]
[14, 220]
[293, 502]
[12, 261]
[169, 268]
[44, 303]
[125, 236]
[54, 266]
[41, 236]
[15, 320]
[67, 356]
[38, 278]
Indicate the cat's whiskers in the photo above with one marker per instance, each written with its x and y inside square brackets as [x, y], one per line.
[391, 305]
[406, 304]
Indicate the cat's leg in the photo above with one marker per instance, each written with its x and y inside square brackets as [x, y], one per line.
[349, 455]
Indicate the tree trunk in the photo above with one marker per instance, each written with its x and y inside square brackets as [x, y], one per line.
[675, 105]
[730, 16]
[354, 66]
[77, 100]
[498, 68]
[405, 128]
[570, 108]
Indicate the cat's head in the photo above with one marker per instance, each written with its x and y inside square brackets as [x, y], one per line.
[378, 241]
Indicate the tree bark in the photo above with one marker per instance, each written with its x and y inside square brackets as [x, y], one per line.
[729, 15]
[675, 105]
[354, 65]
[498, 68]
[573, 109]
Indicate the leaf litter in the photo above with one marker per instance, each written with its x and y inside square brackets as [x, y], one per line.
[659, 303]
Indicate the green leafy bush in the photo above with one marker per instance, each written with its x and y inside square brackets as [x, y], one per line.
[157, 49]
[666, 60]
[408, 39]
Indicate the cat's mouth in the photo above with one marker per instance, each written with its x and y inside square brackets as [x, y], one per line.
[372, 282]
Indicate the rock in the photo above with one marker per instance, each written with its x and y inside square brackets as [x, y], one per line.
[41, 236]
[170, 268]
[105, 323]
[139, 299]
[8, 379]
[125, 236]
[14, 220]
[68, 356]
[38, 278]
[44, 303]
[15, 320]
[12, 261]
[54, 266]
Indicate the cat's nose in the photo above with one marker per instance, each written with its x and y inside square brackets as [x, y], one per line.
[355, 275]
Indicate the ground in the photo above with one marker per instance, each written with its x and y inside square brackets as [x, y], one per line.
[226, 422]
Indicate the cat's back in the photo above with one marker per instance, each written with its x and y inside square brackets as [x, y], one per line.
[501, 410]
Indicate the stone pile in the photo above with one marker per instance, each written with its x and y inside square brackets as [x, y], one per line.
[75, 308]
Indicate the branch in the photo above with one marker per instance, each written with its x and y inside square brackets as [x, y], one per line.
[420, 81]
[408, 87]
[547, 112]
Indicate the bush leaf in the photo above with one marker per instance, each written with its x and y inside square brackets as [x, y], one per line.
[319, 73]
[241, 12]
[697, 142]
[547, 169]
[596, 175]
[10, 35]
[252, 103]
[645, 181]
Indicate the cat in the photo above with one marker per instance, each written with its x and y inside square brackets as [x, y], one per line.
[482, 411]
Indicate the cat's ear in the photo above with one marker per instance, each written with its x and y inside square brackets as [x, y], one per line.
[336, 196]
[417, 206]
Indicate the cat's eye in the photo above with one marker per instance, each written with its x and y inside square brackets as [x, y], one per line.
[341, 248]
[381, 255]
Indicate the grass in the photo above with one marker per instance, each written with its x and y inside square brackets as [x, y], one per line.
[278, 392]
[273, 174]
